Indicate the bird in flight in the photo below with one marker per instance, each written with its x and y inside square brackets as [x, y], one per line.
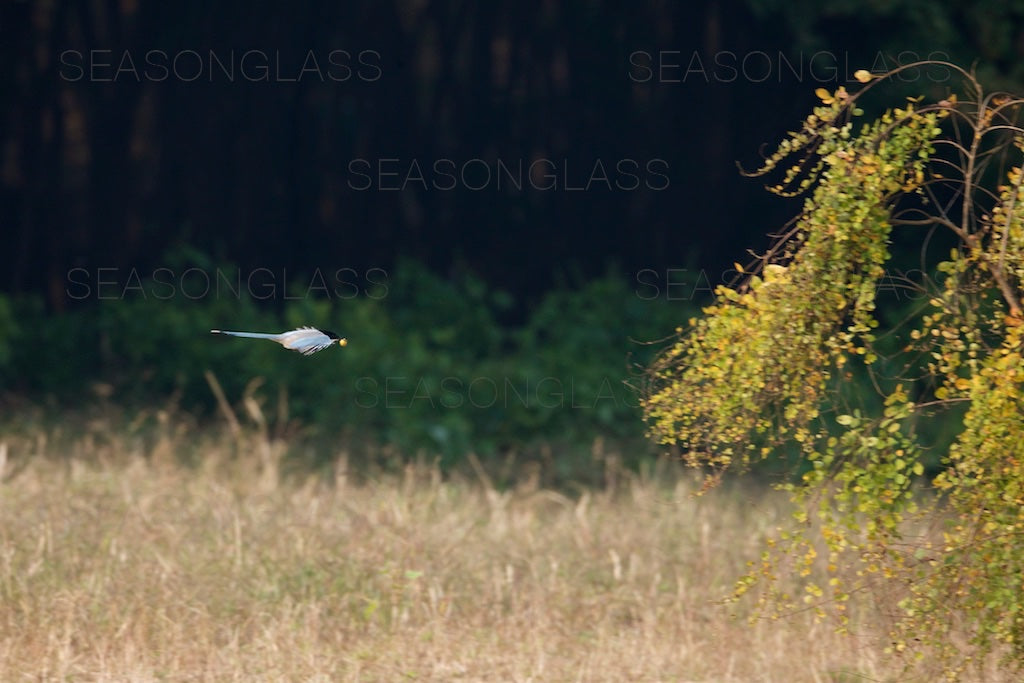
[305, 340]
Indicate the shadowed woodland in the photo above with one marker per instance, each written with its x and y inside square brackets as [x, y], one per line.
[509, 191]
[130, 128]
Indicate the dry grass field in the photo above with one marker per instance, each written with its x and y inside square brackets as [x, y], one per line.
[118, 563]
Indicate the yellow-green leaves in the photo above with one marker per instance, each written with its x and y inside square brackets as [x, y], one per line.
[757, 366]
[765, 366]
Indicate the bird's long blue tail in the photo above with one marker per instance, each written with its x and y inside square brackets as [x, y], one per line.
[251, 335]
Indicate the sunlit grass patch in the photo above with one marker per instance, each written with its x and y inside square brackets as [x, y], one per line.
[121, 564]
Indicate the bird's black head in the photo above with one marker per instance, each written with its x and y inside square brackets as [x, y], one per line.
[335, 337]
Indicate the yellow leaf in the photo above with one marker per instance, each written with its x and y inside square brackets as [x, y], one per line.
[862, 75]
[962, 383]
[738, 267]
[824, 95]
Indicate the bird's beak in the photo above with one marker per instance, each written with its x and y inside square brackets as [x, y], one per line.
[343, 342]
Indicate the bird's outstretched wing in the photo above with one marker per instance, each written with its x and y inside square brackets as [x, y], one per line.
[306, 340]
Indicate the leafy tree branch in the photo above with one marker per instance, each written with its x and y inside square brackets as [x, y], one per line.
[769, 362]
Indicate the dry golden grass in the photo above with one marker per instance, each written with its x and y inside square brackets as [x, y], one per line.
[118, 563]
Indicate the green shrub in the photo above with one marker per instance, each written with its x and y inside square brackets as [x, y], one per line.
[428, 368]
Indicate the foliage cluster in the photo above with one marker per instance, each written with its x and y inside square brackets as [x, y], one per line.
[768, 362]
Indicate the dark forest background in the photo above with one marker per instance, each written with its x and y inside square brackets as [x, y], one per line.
[507, 190]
